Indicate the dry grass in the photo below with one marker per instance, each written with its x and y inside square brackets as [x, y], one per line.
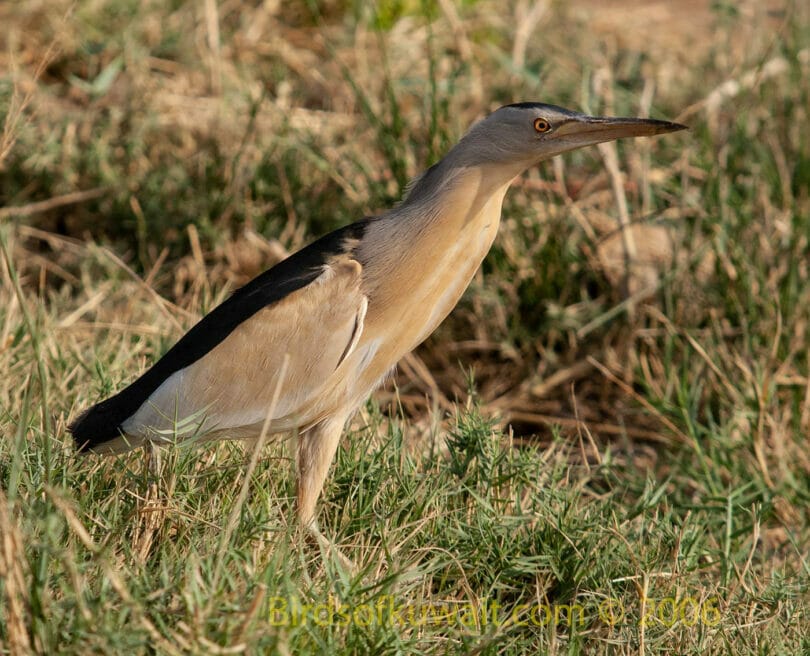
[643, 317]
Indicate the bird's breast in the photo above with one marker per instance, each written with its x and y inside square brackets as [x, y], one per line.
[415, 290]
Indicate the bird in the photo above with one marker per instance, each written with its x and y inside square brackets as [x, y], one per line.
[323, 328]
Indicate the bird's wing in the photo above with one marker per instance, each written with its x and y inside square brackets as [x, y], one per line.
[232, 386]
[309, 306]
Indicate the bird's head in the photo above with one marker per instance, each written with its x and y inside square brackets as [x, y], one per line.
[527, 133]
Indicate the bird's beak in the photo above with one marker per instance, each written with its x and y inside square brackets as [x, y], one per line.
[586, 130]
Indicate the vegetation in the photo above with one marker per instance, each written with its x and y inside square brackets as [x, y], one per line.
[603, 449]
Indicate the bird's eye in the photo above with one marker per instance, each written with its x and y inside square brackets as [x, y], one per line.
[541, 125]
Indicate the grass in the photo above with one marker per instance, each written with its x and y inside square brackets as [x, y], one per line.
[597, 452]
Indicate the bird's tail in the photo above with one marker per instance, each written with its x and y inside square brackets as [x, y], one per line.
[98, 429]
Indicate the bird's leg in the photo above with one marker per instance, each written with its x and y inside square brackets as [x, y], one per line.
[316, 450]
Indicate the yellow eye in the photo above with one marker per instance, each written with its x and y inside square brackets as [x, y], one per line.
[541, 125]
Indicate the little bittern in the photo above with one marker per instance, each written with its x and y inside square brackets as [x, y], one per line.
[342, 311]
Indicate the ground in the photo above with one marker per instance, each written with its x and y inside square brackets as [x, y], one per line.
[602, 450]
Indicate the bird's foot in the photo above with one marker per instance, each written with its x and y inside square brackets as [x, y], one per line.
[331, 550]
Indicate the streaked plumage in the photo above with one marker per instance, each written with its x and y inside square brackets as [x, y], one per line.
[344, 309]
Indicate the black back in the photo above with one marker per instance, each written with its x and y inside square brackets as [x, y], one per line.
[101, 423]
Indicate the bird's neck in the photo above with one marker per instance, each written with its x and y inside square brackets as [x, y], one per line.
[446, 225]
[459, 193]
[441, 234]
[453, 223]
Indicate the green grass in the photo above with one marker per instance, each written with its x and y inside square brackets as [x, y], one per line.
[570, 471]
